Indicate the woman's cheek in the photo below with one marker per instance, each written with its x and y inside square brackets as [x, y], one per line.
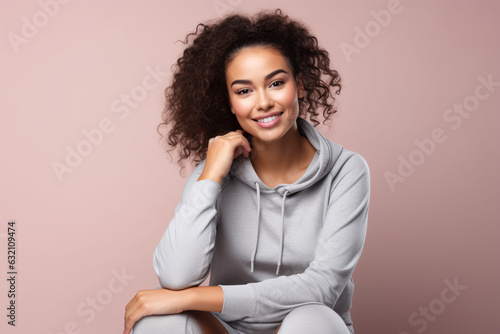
[242, 107]
[287, 97]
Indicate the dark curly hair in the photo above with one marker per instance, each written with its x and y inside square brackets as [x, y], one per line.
[197, 102]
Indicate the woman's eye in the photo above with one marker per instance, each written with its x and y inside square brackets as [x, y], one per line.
[277, 83]
[243, 91]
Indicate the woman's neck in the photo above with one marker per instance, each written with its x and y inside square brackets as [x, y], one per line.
[283, 161]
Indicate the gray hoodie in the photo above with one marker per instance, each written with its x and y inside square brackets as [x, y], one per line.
[271, 249]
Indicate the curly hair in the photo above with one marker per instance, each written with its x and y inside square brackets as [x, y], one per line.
[197, 102]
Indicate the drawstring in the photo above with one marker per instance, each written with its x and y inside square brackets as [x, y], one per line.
[282, 231]
[252, 261]
[257, 188]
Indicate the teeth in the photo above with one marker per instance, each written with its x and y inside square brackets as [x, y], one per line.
[267, 119]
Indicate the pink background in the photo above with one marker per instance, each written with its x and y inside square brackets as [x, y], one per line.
[107, 215]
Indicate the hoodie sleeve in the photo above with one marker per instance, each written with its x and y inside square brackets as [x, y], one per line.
[339, 247]
[183, 256]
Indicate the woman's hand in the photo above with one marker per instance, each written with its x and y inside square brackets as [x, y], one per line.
[222, 150]
[149, 302]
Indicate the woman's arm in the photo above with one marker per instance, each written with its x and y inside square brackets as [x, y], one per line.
[165, 301]
[182, 257]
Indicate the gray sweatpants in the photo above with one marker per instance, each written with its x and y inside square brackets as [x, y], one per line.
[317, 319]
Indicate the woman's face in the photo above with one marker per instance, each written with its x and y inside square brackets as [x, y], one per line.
[263, 92]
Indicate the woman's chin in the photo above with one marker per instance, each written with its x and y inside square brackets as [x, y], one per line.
[268, 137]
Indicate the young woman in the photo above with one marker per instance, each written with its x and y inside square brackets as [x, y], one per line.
[274, 211]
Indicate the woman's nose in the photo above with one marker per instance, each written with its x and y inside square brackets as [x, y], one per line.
[264, 102]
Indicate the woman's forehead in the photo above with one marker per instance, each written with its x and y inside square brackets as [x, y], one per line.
[256, 60]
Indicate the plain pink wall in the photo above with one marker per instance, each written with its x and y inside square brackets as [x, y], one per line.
[405, 76]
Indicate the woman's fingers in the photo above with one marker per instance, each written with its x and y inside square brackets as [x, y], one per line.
[222, 150]
[236, 142]
[241, 144]
[149, 302]
[134, 311]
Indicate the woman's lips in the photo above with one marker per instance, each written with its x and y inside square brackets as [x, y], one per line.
[270, 120]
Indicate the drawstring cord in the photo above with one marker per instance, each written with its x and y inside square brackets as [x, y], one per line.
[252, 261]
[282, 231]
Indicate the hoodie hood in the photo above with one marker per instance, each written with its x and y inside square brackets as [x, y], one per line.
[327, 153]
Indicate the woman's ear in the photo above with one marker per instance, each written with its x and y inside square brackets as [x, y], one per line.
[300, 87]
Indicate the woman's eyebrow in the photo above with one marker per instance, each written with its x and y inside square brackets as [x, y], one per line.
[269, 76]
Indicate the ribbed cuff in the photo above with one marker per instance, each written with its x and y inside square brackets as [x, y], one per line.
[205, 191]
[239, 300]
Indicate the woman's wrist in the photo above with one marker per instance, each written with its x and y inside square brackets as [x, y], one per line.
[210, 176]
[204, 298]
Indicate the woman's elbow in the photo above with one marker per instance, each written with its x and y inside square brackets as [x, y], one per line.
[176, 279]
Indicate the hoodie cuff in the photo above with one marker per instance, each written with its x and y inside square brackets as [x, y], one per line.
[239, 300]
[205, 191]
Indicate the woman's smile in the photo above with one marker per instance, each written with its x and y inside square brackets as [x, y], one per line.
[269, 120]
